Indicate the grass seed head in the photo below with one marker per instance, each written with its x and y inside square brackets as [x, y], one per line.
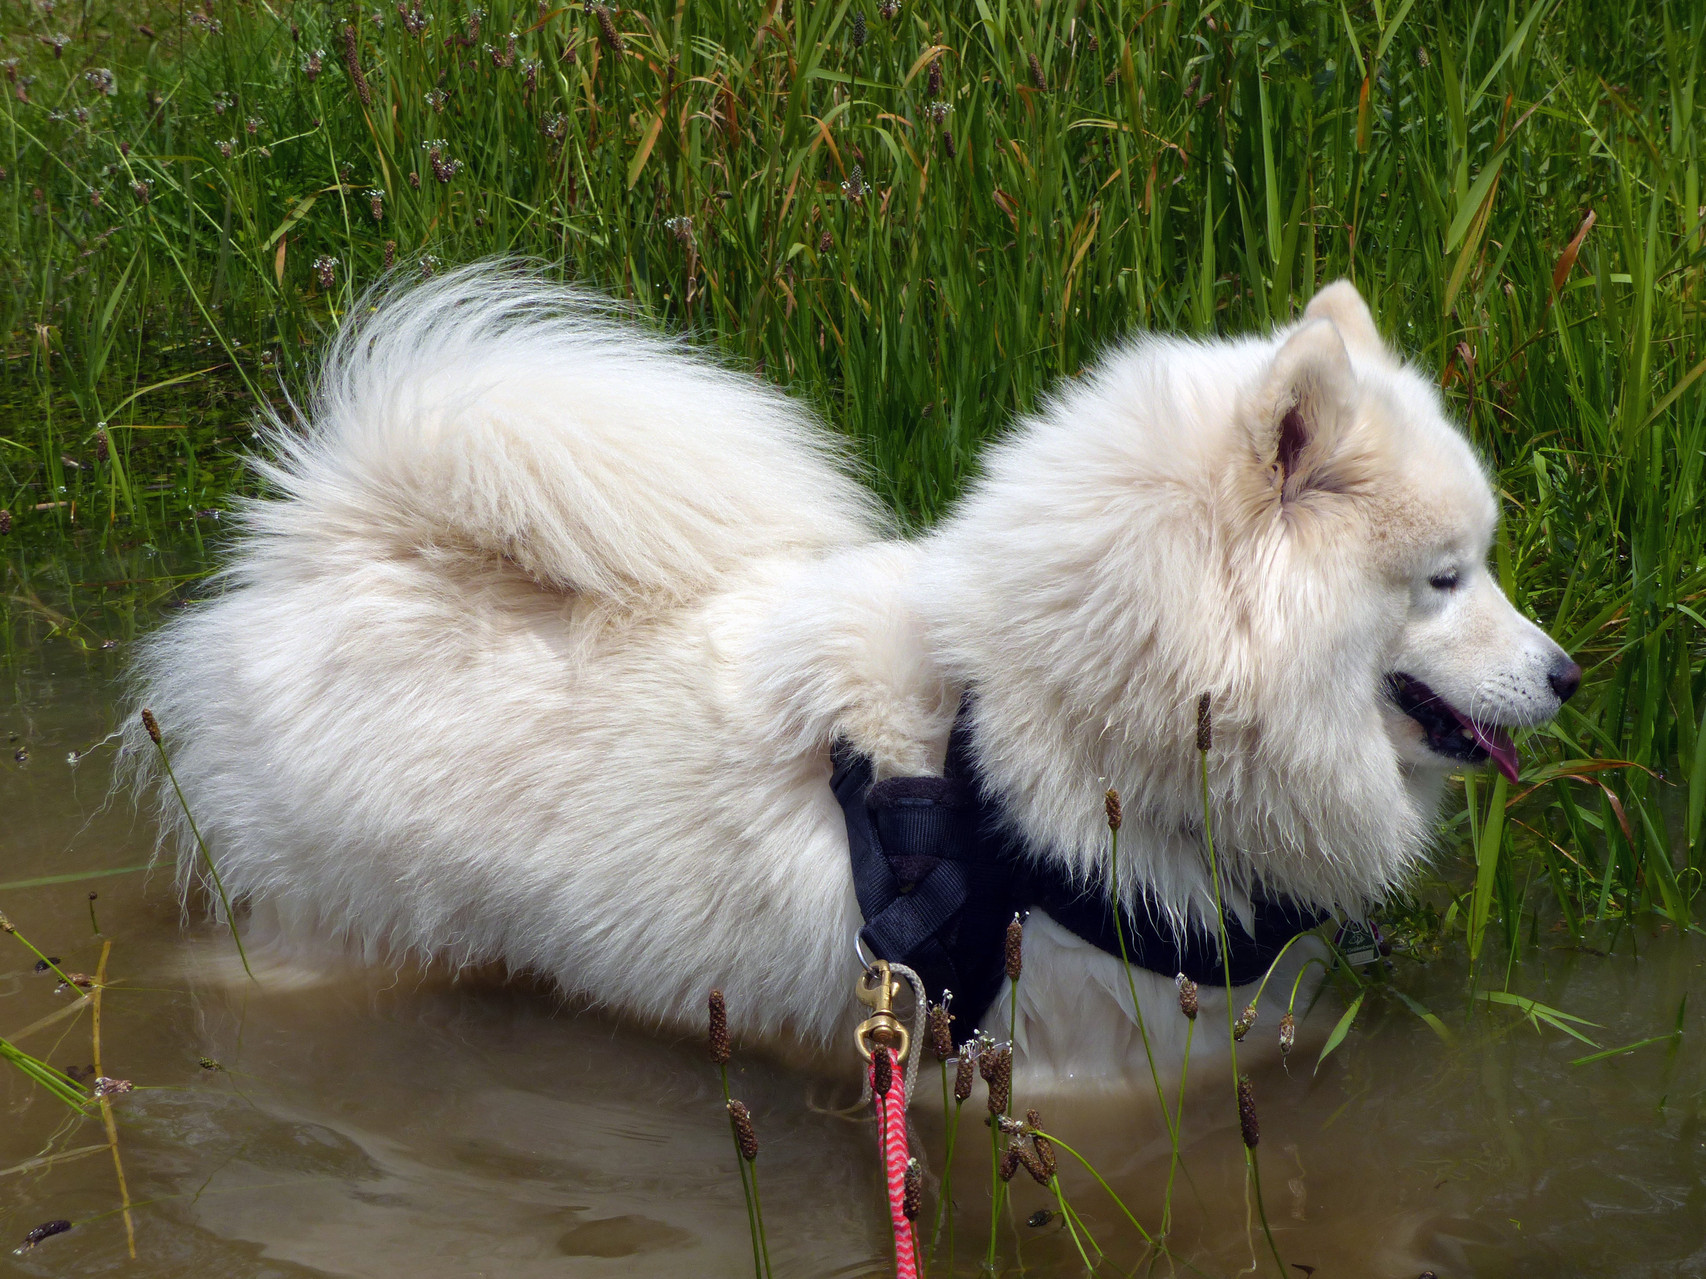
[1111, 805]
[745, 1137]
[1205, 725]
[1013, 953]
[940, 1024]
[860, 34]
[151, 725]
[882, 1071]
[5, 521]
[1009, 1162]
[1044, 1147]
[608, 35]
[913, 1192]
[1187, 996]
[352, 64]
[1288, 1034]
[1248, 1128]
[998, 1074]
[933, 80]
[963, 1073]
[1038, 79]
[718, 1039]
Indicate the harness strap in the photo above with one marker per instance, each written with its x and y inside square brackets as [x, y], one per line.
[938, 875]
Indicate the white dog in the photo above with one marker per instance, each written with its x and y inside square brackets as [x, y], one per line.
[539, 650]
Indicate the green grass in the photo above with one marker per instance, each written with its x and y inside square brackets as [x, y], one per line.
[790, 194]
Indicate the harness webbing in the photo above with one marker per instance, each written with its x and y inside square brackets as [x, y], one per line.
[939, 874]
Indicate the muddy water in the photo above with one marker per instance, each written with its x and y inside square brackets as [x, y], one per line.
[403, 1125]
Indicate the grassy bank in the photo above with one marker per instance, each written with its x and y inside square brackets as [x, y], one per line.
[919, 216]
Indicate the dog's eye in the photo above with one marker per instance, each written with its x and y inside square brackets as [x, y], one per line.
[1445, 581]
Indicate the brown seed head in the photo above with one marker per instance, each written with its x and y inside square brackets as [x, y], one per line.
[152, 725]
[933, 81]
[718, 1039]
[882, 1071]
[1015, 949]
[1000, 1080]
[1288, 1034]
[741, 1118]
[1205, 725]
[963, 1074]
[948, 148]
[1034, 1165]
[1038, 79]
[1111, 803]
[1187, 996]
[1009, 1162]
[6, 925]
[1247, 1125]
[941, 1028]
[913, 1191]
[1044, 1147]
[5, 522]
[352, 63]
[103, 447]
[607, 32]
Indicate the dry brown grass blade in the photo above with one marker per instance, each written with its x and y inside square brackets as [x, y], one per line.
[1567, 259]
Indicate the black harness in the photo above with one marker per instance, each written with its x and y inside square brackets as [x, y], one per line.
[939, 875]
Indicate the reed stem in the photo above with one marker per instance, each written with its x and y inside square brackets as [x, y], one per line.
[747, 1190]
[206, 857]
[106, 1105]
[1226, 972]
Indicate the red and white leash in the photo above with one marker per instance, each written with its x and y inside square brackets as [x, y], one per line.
[885, 1042]
[888, 1094]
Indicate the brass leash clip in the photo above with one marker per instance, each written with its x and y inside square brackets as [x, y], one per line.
[878, 988]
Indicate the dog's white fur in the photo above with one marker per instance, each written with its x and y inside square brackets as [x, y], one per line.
[538, 651]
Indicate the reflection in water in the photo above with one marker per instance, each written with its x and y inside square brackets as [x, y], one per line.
[369, 1124]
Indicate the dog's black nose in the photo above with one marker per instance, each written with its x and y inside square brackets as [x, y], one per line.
[1565, 679]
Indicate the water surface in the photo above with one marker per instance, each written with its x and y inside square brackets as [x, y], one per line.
[381, 1124]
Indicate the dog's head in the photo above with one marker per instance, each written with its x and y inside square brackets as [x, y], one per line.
[1360, 460]
[1288, 522]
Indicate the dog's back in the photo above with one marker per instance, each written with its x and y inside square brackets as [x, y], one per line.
[480, 682]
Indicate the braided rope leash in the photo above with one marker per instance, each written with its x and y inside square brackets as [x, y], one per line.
[888, 1092]
[885, 1043]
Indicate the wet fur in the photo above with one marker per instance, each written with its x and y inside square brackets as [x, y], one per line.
[536, 650]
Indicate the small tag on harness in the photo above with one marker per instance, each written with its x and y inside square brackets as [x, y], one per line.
[1359, 942]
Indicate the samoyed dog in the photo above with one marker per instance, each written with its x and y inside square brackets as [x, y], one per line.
[547, 640]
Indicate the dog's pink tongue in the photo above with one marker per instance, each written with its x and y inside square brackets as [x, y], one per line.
[1497, 743]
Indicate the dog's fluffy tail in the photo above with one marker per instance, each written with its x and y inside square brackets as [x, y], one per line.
[492, 413]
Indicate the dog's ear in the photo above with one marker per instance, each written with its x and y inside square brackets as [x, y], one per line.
[1305, 407]
[1343, 305]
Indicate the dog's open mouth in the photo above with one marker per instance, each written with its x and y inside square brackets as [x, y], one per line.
[1448, 730]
